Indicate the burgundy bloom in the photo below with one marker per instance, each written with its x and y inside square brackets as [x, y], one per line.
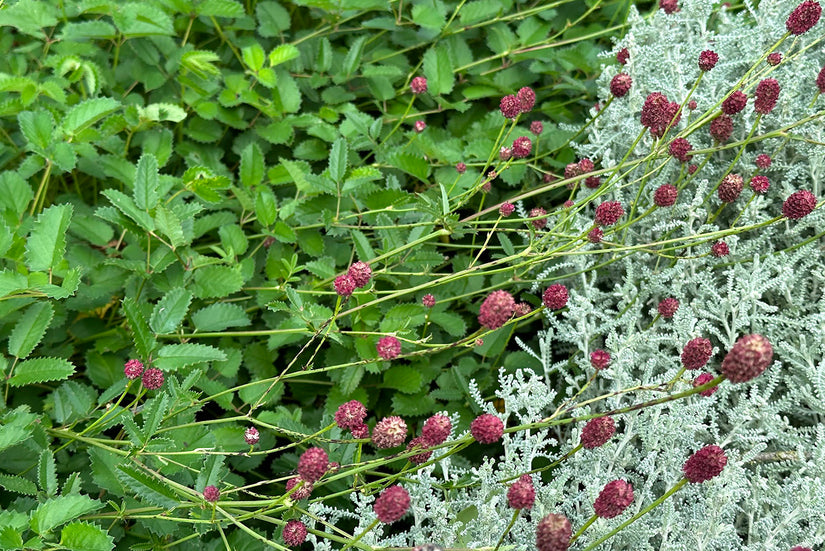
[702, 379]
[419, 126]
[295, 532]
[568, 204]
[496, 309]
[522, 147]
[390, 432]
[707, 60]
[488, 184]
[211, 494]
[344, 285]
[361, 431]
[730, 188]
[721, 128]
[152, 378]
[350, 414]
[719, 249]
[614, 498]
[692, 105]
[388, 347]
[526, 98]
[734, 103]
[600, 359]
[553, 533]
[302, 492]
[760, 184]
[669, 6]
[658, 114]
[522, 309]
[803, 17]
[585, 165]
[521, 494]
[608, 213]
[391, 504]
[820, 80]
[622, 56]
[697, 353]
[419, 443]
[506, 209]
[487, 428]
[555, 297]
[571, 171]
[592, 182]
[428, 300]
[799, 204]
[747, 359]
[665, 195]
[510, 107]
[767, 93]
[800, 548]
[539, 223]
[313, 464]
[597, 432]
[436, 429]
[536, 127]
[620, 85]
[418, 85]
[667, 308]
[251, 436]
[680, 148]
[595, 235]
[360, 272]
[705, 464]
[763, 161]
[461, 168]
[133, 369]
[774, 59]
[692, 169]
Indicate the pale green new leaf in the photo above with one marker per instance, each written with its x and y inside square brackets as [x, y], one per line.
[40, 370]
[266, 207]
[201, 62]
[30, 328]
[47, 241]
[170, 310]
[147, 182]
[80, 536]
[10, 538]
[168, 223]
[282, 54]
[87, 113]
[60, 510]
[219, 316]
[162, 112]
[254, 56]
[174, 356]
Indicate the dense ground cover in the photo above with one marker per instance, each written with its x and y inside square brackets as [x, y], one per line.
[368, 274]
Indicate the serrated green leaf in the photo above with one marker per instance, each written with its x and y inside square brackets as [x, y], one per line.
[60, 510]
[266, 207]
[153, 412]
[254, 56]
[10, 538]
[362, 246]
[87, 113]
[282, 54]
[147, 183]
[79, 536]
[413, 405]
[439, 70]
[338, 160]
[506, 244]
[47, 240]
[145, 342]
[284, 233]
[219, 316]
[449, 322]
[136, 435]
[324, 267]
[233, 239]
[170, 310]
[15, 192]
[478, 10]
[174, 356]
[350, 379]
[127, 206]
[63, 156]
[425, 16]
[353, 57]
[252, 165]
[412, 165]
[18, 484]
[201, 62]
[212, 472]
[37, 127]
[40, 370]
[147, 487]
[220, 8]
[30, 328]
[217, 281]
[47, 473]
[168, 223]
[403, 378]
[159, 112]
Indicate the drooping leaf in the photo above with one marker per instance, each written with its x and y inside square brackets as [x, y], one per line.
[60, 510]
[47, 241]
[170, 310]
[40, 370]
[30, 328]
[174, 356]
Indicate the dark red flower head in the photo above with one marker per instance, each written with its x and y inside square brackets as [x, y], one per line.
[526, 98]
[696, 353]
[344, 285]
[760, 184]
[702, 379]
[721, 128]
[461, 168]
[680, 148]
[622, 56]
[436, 429]
[803, 17]
[707, 60]
[620, 85]
[730, 188]
[391, 504]
[251, 436]
[538, 223]
[522, 147]
[774, 59]
[510, 107]
[487, 428]
[361, 273]
[536, 127]
[658, 113]
[820, 80]
[294, 532]
[211, 494]
[389, 432]
[521, 494]
[350, 414]
[763, 161]
[608, 213]
[313, 464]
[595, 235]
[665, 195]
[600, 359]
[799, 204]
[719, 249]
[419, 443]
[669, 6]
[734, 102]
[555, 297]
[428, 300]
[597, 432]
[388, 347]
[705, 464]
[767, 93]
[668, 307]
[152, 378]
[506, 209]
[496, 309]
[749, 357]
[418, 85]
[553, 533]
[133, 369]
[614, 498]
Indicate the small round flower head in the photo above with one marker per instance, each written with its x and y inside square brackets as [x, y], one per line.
[696, 353]
[522, 309]
[707, 60]
[419, 126]
[295, 532]
[313, 464]
[585, 165]
[303, 491]
[608, 213]
[496, 309]
[251, 436]
[536, 127]
[595, 235]
[620, 85]
[734, 103]
[547, 178]
[597, 432]
[389, 432]
[763, 161]
[800, 548]
[344, 285]
[418, 85]
[665, 195]
[803, 17]
[721, 128]
[747, 359]
[428, 300]
[667, 308]
[703, 378]
[521, 494]
[391, 504]
[133, 369]
[388, 347]
[510, 107]
[488, 184]
[692, 169]
[539, 223]
[211, 494]
[152, 378]
[526, 98]
[774, 59]
[669, 6]
[420, 443]
[506, 209]
[692, 105]
[522, 147]
[820, 80]
[730, 188]
[568, 204]
[799, 204]
[760, 184]
[555, 297]
[487, 428]
[571, 171]
[600, 359]
[592, 182]
[680, 148]
[350, 414]
[505, 153]
[615, 497]
[360, 272]
[461, 168]
[767, 93]
[553, 533]
[361, 431]
[719, 249]
[705, 464]
[479, 342]
[622, 56]
[436, 429]
[658, 113]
